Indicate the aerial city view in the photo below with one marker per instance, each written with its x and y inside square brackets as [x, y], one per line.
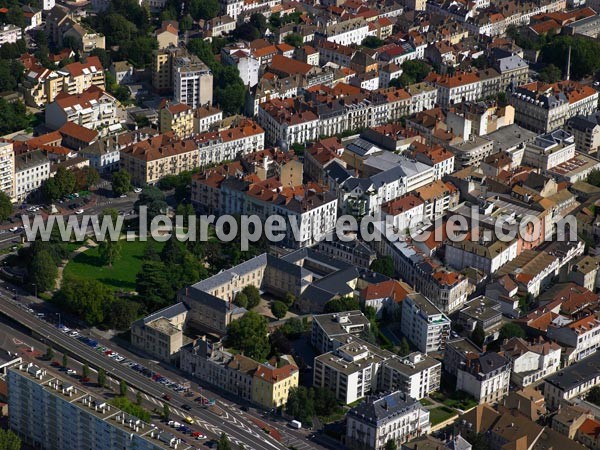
[299, 224]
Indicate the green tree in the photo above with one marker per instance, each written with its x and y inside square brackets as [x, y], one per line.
[65, 360]
[49, 353]
[89, 299]
[204, 9]
[293, 39]
[404, 348]
[342, 304]
[186, 23]
[585, 54]
[138, 398]
[121, 313]
[478, 336]
[390, 445]
[384, 266]
[13, 117]
[249, 335]
[154, 286]
[65, 180]
[289, 299]
[593, 395]
[279, 309]
[152, 198]
[121, 182]
[301, 404]
[85, 372]
[253, 295]
[166, 412]
[223, 443]
[109, 251]
[42, 271]
[241, 300]
[372, 42]
[594, 177]
[15, 16]
[6, 207]
[325, 402]
[510, 330]
[123, 388]
[103, 56]
[9, 440]
[102, 378]
[550, 74]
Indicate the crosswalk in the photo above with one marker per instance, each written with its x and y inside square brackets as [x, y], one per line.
[210, 427]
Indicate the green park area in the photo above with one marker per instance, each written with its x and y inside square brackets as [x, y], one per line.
[89, 265]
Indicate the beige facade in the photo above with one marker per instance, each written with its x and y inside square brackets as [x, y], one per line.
[160, 334]
[149, 161]
[162, 79]
[177, 118]
[7, 168]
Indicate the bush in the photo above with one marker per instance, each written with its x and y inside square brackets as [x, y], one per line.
[279, 309]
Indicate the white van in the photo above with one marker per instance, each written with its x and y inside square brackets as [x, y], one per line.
[296, 424]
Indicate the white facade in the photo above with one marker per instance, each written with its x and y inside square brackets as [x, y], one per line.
[550, 150]
[486, 378]
[47, 5]
[32, 169]
[424, 324]
[7, 168]
[405, 420]
[582, 335]
[349, 32]
[532, 366]
[99, 111]
[229, 144]
[192, 82]
[9, 34]
[487, 257]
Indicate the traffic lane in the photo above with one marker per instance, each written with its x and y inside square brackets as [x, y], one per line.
[132, 378]
[17, 343]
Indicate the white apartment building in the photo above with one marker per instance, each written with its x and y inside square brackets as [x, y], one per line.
[573, 381]
[416, 375]
[192, 81]
[9, 34]
[331, 331]
[50, 412]
[232, 8]
[348, 32]
[550, 150]
[545, 107]
[7, 168]
[531, 361]
[404, 213]
[226, 145]
[31, 170]
[47, 5]
[582, 336]
[486, 377]
[424, 324]
[351, 370]
[487, 256]
[206, 117]
[458, 88]
[285, 127]
[393, 416]
[93, 109]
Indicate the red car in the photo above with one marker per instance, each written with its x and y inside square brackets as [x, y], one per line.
[55, 364]
[167, 397]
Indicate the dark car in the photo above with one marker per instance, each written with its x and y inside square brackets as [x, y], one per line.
[211, 444]
[245, 408]
[186, 407]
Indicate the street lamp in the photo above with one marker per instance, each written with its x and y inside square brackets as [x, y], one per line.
[35, 286]
[59, 321]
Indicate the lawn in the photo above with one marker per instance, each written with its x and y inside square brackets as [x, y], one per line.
[121, 276]
[425, 402]
[441, 414]
[456, 399]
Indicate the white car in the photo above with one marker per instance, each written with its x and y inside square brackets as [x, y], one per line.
[123, 196]
[13, 229]
[71, 372]
[79, 211]
[137, 190]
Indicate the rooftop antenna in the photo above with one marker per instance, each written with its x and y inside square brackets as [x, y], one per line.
[569, 65]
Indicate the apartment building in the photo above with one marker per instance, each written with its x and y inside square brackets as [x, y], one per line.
[545, 107]
[192, 81]
[457, 352]
[31, 170]
[385, 297]
[573, 381]
[50, 412]
[178, 118]
[7, 168]
[86, 39]
[417, 375]
[351, 371]
[226, 145]
[9, 34]
[213, 364]
[93, 108]
[484, 313]
[388, 417]
[586, 131]
[582, 337]
[485, 377]
[331, 331]
[550, 150]
[206, 117]
[82, 75]
[150, 160]
[285, 126]
[487, 256]
[458, 88]
[405, 213]
[161, 334]
[271, 385]
[531, 362]
[424, 324]
[348, 32]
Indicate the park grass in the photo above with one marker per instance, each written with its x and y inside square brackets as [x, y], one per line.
[425, 402]
[441, 414]
[121, 276]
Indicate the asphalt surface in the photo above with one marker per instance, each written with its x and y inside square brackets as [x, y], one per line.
[233, 424]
